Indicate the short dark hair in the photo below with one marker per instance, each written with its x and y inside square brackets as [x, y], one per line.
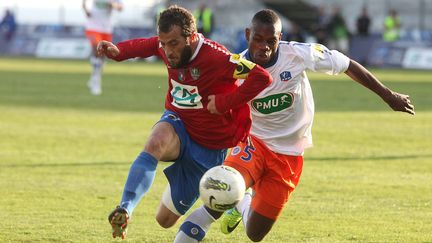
[179, 16]
[266, 16]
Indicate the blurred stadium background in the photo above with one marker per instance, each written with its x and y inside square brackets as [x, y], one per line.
[54, 29]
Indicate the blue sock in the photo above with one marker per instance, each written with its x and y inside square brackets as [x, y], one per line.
[140, 178]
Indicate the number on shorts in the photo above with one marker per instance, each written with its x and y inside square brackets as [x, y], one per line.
[248, 151]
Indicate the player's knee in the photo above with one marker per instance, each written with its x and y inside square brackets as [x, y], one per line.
[154, 146]
[165, 222]
[255, 236]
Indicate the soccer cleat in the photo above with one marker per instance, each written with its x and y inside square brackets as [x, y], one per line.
[230, 219]
[118, 219]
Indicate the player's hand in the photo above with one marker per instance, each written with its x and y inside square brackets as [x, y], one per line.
[400, 102]
[106, 48]
[211, 106]
[115, 5]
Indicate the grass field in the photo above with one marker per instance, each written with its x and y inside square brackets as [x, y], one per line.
[65, 155]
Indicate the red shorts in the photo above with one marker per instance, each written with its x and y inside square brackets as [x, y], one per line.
[274, 175]
[95, 37]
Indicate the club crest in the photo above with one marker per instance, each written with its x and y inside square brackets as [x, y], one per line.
[285, 76]
[195, 73]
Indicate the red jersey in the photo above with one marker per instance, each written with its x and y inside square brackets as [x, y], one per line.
[212, 70]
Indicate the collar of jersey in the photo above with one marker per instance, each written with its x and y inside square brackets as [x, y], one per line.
[270, 63]
[200, 42]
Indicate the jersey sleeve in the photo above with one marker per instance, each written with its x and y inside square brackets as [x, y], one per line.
[255, 78]
[141, 47]
[318, 58]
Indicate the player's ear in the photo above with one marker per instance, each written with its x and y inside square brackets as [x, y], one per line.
[194, 36]
[247, 34]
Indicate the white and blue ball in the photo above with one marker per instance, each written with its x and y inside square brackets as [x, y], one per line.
[221, 188]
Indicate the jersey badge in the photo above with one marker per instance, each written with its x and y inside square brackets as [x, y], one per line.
[285, 76]
[195, 73]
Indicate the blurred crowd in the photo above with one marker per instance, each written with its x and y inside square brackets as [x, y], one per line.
[331, 29]
[8, 25]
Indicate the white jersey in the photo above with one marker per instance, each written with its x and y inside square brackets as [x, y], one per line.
[282, 114]
[100, 16]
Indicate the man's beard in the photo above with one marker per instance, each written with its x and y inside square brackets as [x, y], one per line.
[184, 58]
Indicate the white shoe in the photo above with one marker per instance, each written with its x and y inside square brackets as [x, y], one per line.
[96, 90]
[94, 86]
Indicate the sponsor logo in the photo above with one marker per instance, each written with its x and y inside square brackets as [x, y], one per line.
[181, 74]
[273, 103]
[184, 204]
[221, 207]
[185, 96]
[218, 185]
[236, 150]
[172, 117]
[231, 228]
[320, 50]
[285, 76]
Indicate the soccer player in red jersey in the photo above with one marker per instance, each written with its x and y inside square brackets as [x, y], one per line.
[206, 113]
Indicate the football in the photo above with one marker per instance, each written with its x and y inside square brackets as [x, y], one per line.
[221, 188]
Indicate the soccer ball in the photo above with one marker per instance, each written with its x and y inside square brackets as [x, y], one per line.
[221, 188]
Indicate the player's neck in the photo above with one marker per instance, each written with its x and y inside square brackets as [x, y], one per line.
[194, 44]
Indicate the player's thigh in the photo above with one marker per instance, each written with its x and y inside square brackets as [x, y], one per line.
[106, 37]
[93, 36]
[248, 160]
[163, 143]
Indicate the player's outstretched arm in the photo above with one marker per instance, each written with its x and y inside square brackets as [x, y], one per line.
[398, 102]
[108, 49]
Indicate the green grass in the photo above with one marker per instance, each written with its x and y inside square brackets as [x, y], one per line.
[65, 155]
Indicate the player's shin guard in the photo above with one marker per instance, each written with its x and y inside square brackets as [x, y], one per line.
[195, 226]
[189, 233]
[140, 178]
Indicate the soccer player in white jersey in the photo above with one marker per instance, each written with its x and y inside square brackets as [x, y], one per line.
[282, 114]
[99, 27]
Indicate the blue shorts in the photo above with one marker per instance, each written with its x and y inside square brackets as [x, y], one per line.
[194, 160]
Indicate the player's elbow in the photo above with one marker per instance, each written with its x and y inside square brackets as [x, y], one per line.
[269, 79]
[265, 76]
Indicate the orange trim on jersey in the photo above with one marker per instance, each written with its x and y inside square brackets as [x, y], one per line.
[95, 37]
[275, 176]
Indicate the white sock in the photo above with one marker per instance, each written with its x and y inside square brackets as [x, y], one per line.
[195, 226]
[244, 208]
[97, 66]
